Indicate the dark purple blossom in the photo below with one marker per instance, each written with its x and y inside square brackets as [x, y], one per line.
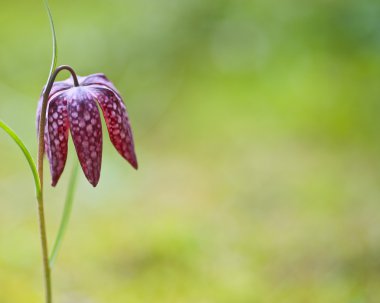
[76, 108]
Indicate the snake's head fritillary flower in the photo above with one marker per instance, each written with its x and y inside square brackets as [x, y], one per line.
[75, 108]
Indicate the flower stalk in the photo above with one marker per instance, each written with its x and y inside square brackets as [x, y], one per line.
[40, 169]
[45, 250]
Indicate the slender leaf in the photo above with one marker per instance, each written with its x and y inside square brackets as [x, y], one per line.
[26, 153]
[65, 216]
[55, 48]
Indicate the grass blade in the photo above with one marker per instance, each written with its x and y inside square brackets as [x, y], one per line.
[26, 153]
[55, 48]
[65, 216]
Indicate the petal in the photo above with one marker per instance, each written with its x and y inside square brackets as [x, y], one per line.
[86, 130]
[99, 79]
[57, 87]
[117, 121]
[56, 136]
[60, 86]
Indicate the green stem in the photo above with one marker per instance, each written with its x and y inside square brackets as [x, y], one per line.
[45, 250]
[26, 153]
[65, 216]
[40, 168]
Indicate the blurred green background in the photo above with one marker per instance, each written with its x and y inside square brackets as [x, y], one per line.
[258, 136]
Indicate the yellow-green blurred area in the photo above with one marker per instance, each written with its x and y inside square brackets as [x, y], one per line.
[257, 129]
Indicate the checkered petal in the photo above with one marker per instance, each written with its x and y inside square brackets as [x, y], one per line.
[58, 86]
[117, 121]
[86, 131]
[56, 136]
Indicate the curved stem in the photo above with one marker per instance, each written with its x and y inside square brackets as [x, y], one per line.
[40, 167]
[65, 216]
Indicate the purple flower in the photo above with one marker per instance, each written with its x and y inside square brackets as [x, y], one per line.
[76, 108]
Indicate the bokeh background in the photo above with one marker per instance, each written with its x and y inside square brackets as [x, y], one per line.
[257, 131]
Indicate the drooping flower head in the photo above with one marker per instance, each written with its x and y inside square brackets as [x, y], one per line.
[74, 106]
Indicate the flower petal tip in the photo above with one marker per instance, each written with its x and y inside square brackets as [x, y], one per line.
[94, 183]
[135, 165]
